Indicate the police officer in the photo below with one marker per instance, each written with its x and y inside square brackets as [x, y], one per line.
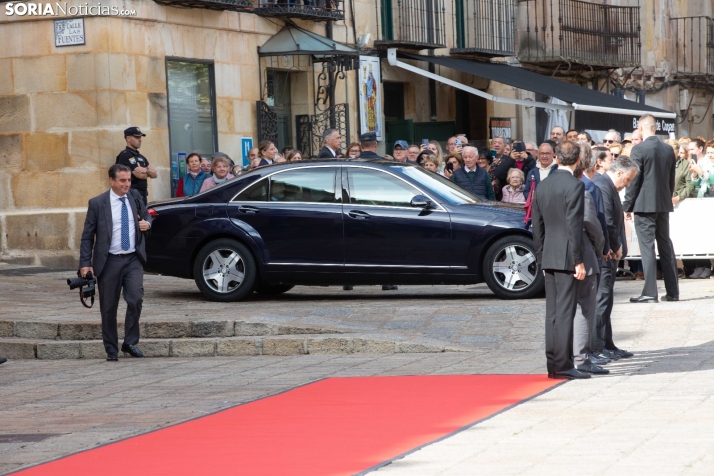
[139, 165]
[368, 141]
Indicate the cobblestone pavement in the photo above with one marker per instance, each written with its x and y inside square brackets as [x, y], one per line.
[653, 415]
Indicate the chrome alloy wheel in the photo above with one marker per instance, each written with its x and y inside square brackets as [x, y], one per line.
[223, 270]
[514, 267]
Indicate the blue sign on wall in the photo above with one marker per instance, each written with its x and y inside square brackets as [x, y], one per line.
[246, 143]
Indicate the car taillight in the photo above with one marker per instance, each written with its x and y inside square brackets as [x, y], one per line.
[152, 212]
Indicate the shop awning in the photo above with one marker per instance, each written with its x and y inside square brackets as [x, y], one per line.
[580, 98]
[293, 40]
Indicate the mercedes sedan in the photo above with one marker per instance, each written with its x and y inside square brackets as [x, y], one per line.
[340, 222]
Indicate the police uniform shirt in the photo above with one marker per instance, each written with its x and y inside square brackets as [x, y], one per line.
[133, 159]
[368, 154]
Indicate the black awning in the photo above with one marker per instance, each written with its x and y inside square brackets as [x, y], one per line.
[523, 79]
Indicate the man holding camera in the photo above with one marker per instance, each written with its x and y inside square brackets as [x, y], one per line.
[113, 250]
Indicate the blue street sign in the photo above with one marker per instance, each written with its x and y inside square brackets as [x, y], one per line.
[246, 143]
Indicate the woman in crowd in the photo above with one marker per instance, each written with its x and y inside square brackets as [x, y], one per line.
[267, 152]
[519, 159]
[354, 150]
[430, 163]
[424, 153]
[435, 147]
[238, 170]
[220, 167]
[513, 192]
[484, 158]
[456, 162]
[294, 156]
[206, 165]
[703, 172]
[191, 183]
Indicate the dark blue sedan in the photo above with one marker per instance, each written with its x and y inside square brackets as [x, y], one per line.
[340, 222]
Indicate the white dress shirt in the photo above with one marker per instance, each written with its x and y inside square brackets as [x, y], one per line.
[115, 202]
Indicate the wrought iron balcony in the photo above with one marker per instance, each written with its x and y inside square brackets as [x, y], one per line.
[693, 42]
[580, 33]
[233, 5]
[484, 27]
[315, 10]
[415, 24]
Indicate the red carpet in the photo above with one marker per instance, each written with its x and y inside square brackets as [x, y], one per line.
[334, 426]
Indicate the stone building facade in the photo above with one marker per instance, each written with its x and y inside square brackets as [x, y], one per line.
[63, 109]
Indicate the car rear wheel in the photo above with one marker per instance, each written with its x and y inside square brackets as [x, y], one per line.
[224, 270]
[510, 268]
[273, 289]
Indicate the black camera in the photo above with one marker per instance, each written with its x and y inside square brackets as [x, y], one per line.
[86, 285]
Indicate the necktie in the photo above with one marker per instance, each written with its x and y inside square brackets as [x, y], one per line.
[124, 225]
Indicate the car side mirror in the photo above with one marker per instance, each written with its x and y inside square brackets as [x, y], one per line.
[421, 201]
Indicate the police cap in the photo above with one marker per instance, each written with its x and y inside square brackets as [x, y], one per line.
[134, 131]
[368, 137]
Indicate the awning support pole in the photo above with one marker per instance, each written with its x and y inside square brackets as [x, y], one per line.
[392, 58]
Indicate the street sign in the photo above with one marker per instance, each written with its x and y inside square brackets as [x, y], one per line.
[69, 32]
[246, 143]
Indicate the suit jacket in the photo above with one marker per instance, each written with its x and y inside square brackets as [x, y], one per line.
[535, 173]
[614, 218]
[593, 237]
[651, 190]
[325, 153]
[97, 234]
[596, 195]
[558, 214]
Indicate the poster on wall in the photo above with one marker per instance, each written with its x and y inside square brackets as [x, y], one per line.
[500, 127]
[370, 96]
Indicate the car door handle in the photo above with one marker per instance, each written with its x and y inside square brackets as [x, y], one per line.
[251, 210]
[358, 215]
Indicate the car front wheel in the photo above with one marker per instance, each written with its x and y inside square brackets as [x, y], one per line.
[224, 270]
[510, 269]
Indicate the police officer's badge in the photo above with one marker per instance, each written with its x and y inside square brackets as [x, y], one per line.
[132, 161]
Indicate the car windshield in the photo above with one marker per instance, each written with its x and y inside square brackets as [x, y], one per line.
[442, 187]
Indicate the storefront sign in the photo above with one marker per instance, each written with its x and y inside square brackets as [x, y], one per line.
[69, 32]
[500, 127]
[370, 96]
[624, 124]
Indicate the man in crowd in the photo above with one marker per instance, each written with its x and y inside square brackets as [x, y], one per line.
[400, 151]
[612, 137]
[619, 176]
[139, 165]
[558, 212]
[532, 149]
[413, 153]
[332, 141]
[545, 165]
[471, 177]
[572, 135]
[113, 250]
[604, 158]
[587, 163]
[499, 145]
[557, 134]
[593, 243]
[368, 141]
[636, 137]
[650, 198]
[206, 165]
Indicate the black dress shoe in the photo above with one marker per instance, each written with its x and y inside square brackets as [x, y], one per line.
[667, 297]
[112, 357]
[131, 350]
[598, 359]
[571, 374]
[609, 354]
[592, 369]
[623, 353]
[390, 287]
[347, 287]
[3, 360]
[640, 299]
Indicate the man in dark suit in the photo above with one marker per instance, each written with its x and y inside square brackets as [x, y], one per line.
[558, 236]
[332, 141]
[113, 249]
[619, 176]
[650, 198]
[546, 164]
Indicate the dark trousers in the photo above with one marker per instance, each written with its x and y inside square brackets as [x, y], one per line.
[583, 323]
[651, 227]
[121, 272]
[561, 298]
[601, 337]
